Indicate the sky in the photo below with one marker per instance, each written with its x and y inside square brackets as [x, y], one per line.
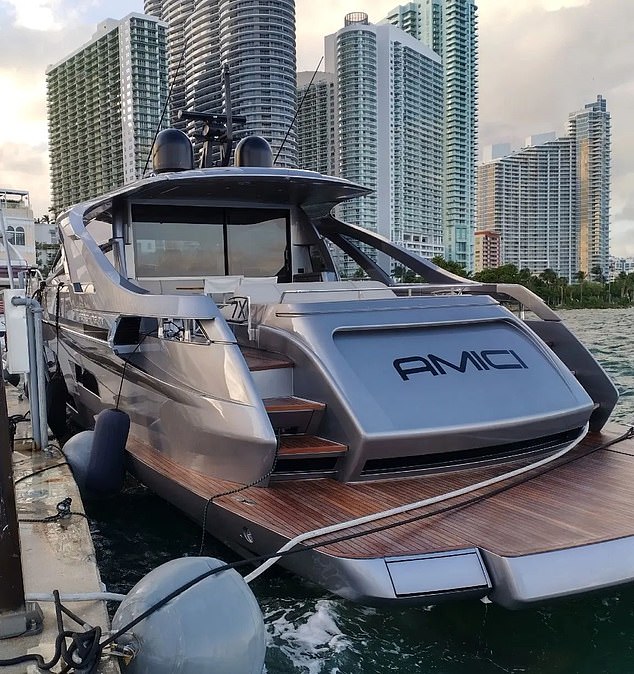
[539, 60]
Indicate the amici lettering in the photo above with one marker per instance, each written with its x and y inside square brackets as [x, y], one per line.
[489, 359]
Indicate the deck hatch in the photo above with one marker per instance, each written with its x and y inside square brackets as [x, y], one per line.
[442, 572]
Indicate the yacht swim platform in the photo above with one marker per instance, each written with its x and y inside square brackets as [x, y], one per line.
[573, 517]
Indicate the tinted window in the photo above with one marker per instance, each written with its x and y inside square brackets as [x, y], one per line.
[197, 241]
[256, 243]
[178, 249]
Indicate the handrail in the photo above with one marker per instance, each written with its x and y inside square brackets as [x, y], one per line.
[317, 291]
[241, 312]
[525, 297]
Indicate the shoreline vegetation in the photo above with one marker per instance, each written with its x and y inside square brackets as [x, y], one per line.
[595, 292]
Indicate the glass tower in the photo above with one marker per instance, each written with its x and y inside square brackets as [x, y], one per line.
[527, 198]
[550, 201]
[449, 27]
[256, 40]
[104, 105]
[389, 114]
[317, 122]
[590, 130]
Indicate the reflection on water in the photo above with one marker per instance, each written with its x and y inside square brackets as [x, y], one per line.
[312, 632]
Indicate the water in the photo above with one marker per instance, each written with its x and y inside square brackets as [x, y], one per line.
[312, 632]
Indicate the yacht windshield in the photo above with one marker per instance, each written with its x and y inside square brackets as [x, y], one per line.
[200, 242]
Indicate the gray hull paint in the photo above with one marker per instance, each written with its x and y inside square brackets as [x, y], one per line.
[448, 371]
[345, 357]
[521, 581]
[200, 429]
[368, 581]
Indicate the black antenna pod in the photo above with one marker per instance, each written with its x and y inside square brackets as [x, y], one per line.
[299, 107]
[217, 129]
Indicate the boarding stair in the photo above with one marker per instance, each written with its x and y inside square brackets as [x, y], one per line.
[301, 453]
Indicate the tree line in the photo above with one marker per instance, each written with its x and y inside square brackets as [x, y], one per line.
[592, 291]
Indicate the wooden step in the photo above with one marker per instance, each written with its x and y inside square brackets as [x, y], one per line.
[292, 404]
[308, 447]
[258, 359]
[294, 415]
[304, 457]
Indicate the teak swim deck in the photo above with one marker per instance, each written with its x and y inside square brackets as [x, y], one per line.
[584, 498]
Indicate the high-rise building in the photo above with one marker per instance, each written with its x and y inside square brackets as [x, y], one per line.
[388, 130]
[527, 198]
[176, 14]
[590, 131]
[104, 106]
[549, 201]
[409, 18]
[316, 123]
[153, 8]
[449, 27]
[487, 249]
[255, 39]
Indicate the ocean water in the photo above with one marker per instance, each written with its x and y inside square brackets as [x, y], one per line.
[313, 632]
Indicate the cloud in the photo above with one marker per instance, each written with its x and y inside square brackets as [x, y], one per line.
[23, 159]
[24, 55]
[626, 212]
[47, 15]
[556, 5]
[537, 69]
[26, 52]
[622, 238]
[25, 167]
[37, 15]
[24, 117]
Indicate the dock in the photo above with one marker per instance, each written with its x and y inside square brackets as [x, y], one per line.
[57, 551]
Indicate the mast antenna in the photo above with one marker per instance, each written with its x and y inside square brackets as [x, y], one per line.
[167, 101]
[217, 129]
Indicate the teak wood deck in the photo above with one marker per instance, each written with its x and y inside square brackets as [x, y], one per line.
[258, 359]
[585, 497]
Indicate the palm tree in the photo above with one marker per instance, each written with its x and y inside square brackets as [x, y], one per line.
[549, 277]
[562, 282]
[451, 265]
[628, 285]
[524, 276]
[597, 273]
[581, 277]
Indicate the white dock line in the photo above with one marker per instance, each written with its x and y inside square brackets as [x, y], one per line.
[413, 506]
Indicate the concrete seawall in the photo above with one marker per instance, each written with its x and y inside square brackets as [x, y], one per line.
[57, 554]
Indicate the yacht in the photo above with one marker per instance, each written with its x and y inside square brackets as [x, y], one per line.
[404, 443]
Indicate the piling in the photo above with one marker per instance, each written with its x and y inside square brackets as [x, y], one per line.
[13, 621]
